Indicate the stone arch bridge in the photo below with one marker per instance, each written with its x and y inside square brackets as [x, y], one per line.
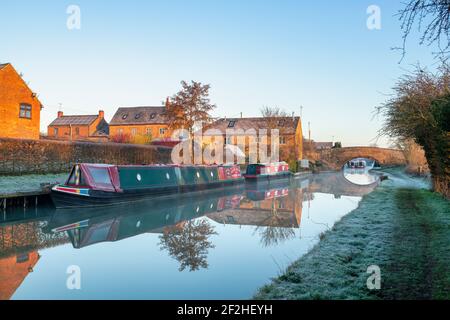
[335, 159]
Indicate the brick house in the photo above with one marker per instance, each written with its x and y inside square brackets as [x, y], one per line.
[140, 121]
[79, 127]
[290, 133]
[20, 109]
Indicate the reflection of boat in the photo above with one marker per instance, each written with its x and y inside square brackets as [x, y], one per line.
[260, 172]
[356, 164]
[92, 185]
[261, 191]
[94, 225]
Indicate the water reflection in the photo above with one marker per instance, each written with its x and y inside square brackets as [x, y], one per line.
[359, 171]
[229, 242]
[188, 243]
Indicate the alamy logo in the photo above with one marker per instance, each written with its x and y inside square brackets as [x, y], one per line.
[233, 146]
[74, 18]
[74, 280]
[374, 280]
[374, 19]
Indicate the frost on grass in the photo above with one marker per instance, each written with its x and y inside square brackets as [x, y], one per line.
[28, 183]
[399, 227]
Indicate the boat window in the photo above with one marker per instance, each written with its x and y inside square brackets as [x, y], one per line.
[100, 175]
[72, 177]
[76, 177]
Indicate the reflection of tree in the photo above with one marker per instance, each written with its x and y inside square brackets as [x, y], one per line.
[188, 243]
[273, 234]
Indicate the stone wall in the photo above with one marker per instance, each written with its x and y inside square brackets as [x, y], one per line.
[45, 156]
[334, 159]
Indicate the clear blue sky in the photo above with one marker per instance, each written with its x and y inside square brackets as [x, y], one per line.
[318, 54]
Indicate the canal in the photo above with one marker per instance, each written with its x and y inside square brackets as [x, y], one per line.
[220, 245]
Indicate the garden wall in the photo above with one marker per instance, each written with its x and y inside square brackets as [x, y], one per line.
[46, 156]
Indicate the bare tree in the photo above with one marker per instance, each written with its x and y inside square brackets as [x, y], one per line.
[420, 110]
[272, 115]
[433, 21]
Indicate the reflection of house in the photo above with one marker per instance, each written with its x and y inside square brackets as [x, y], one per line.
[14, 270]
[20, 108]
[79, 127]
[141, 121]
[290, 133]
[283, 212]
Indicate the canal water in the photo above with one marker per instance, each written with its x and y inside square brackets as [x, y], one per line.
[223, 244]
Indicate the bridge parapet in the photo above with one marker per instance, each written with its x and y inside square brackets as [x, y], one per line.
[335, 159]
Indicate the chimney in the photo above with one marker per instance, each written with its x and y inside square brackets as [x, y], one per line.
[293, 116]
[241, 115]
[60, 114]
[167, 102]
[101, 114]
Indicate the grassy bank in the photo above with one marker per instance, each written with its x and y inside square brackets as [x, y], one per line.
[28, 183]
[401, 227]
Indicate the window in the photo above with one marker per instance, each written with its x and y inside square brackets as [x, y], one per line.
[77, 131]
[134, 131]
[76, 177]
[282, 140]
[25, 111]
[162, 131]
[120, 131]
[100, 175]
[55, 131]
[231, 124]
[149, 131]
[230, 140]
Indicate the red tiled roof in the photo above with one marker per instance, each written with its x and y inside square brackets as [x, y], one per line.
[74, 120]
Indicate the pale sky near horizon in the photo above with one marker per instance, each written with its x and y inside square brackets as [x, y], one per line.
[315, 54]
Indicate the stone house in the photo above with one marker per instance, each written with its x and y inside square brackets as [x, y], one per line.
[141, 121]
[289, 128]
[20, 108]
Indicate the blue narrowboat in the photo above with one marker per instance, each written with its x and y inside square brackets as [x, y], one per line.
[92, 185]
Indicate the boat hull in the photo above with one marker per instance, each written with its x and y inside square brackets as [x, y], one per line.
[97, 198]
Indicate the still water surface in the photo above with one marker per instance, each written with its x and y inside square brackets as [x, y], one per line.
[221, 245]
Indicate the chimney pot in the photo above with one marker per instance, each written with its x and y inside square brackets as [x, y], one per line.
[60, 114]
[167, 102]
[101, 113]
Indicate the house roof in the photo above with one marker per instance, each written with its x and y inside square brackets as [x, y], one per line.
[4, 65]
[74, 120]
[286, 125]
[139, 116]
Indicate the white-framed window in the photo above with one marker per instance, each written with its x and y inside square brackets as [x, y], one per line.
[120, 131]
[133, 131]
[25, 111]
[148, 131]
[282, 140]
